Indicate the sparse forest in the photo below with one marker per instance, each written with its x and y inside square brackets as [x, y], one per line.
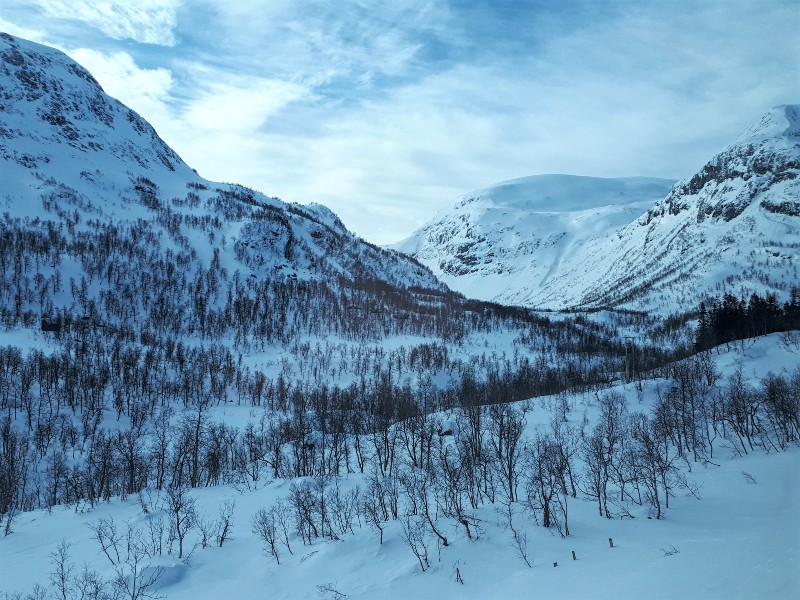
[142, 353]
[140, 349]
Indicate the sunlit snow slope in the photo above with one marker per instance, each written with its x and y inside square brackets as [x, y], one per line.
[501, 242]
[544, 242]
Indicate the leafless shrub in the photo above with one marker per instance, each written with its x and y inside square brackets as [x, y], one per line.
[670, 550]
[749, 478]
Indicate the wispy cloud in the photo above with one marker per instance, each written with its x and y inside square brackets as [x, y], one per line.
[240, 105]
[28, 33]
[145, 21]
[387, 112]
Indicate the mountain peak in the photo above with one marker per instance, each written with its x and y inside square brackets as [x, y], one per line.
[505, 241]
[763, 164]
[52, 110]
[65, 144]
[782, 121]
[25, 54]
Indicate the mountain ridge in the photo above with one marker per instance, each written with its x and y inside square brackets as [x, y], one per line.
[65, 142]
[539, 217]
[682, 248]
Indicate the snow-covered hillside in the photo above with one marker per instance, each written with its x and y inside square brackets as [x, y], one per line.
[106, 234]
[500, 242]
[209, 393]
[732, 533]
[131, 288]
[67, 146]
[734, 226]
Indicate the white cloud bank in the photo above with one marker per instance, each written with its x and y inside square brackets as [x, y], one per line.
[240, 105]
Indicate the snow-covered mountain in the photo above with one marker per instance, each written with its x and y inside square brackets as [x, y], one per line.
[103, 225]
[209, 393]
[734, 226]
[66, 146]
[501, 242]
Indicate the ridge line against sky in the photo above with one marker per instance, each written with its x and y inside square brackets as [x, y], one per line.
[387, 112]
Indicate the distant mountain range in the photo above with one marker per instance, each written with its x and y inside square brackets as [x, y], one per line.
[561, 242]
[503, 242]
[71, 153]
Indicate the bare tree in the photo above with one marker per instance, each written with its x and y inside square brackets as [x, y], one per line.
[656, 463]
[781, 404]
[414, 534]
[740, 412]
[374, 509]
[601, 448]
[305, 502]
[264, 525]
[546, 486]
[183, 515]
[344, 507]
[14, 472]
[91, 586]
[283, 516]
[224, 524]
[452, 483]
[61, 578]
[419, 486]
[506, 424]
[519, 538]
[109, 537]
[134, 578]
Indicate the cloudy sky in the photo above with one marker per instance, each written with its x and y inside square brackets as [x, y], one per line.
[387, 111]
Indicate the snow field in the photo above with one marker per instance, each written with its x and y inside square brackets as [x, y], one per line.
[741, 539]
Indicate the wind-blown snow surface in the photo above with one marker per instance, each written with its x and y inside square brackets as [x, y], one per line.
[733, 226]
[740, 540]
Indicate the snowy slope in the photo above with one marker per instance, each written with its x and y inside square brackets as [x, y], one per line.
[499, 242]
[739, 540]
[67, 146]
[129, 234]
[57, 122]
[734, 225]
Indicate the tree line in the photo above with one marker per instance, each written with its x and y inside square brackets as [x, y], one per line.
[731, 319]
